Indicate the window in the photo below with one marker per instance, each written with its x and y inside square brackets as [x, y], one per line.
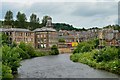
[44, 35]
[41, 35]
[31, 39]
[26, 39]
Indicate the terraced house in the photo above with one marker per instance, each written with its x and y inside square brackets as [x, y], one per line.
[109, 37]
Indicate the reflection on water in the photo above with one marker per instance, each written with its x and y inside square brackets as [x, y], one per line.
[59, 66]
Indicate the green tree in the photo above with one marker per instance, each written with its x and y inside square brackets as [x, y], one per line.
[54, 50]
[11, 57]
[21, 20]
[8, 18]
[28, 49]
[23, 54]
[61, 40]
[4, 39]
[86, 46]
[34, 21]
[6, 72]
[44, 20]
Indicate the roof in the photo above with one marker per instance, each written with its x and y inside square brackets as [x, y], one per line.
[44, 29]
[14, 29]
[2, 29]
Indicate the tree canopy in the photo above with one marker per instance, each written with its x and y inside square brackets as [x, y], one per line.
[34, 22]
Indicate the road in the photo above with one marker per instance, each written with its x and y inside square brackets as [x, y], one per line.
[59, 66]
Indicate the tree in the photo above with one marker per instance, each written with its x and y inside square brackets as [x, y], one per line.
[21, 20]
[4, 39]
[6, 72]
[8, 18]
[44, 20]
[54, 50]
[34, 21]
[11, 57]
[33, 18]
[61, 40]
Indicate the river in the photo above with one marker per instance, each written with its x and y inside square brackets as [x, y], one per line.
[59, 66]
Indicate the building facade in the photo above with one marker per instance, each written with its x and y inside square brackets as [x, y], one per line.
[18, 35]
[45, 37]
[109, 37]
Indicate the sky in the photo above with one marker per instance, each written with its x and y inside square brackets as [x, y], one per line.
[79, 13]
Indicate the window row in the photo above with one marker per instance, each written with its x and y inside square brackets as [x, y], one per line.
[24, 39]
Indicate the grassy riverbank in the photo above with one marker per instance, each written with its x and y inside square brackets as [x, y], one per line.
[12, 55]
[107, 58]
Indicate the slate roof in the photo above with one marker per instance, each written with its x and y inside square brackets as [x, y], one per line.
[44, 29]
[14, 29]
[2, 29]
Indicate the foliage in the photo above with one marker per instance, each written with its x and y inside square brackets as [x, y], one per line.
[106, 54]
[44, 20]
[41, 53]
[119, 53]
[0, 54]
[10, 57]
[21, 20]
[34, 21]
[28, 49]
[8, 18]
[106, 59]
[75, 57]
[115, 27]
[61, 40]
[54, 50]
[85, 46]
[14, 44]
[6, 72]
[23, 54]
[64, 26]
[3, 38]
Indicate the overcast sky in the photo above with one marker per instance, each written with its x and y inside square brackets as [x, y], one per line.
[79, 13]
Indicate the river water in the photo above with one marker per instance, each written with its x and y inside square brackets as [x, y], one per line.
[59, 66]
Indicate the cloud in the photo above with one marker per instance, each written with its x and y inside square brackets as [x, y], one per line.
[78, 14]
[96, 9]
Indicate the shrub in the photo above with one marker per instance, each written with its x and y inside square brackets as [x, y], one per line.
[42, 53]
[28, 49]
[86, 46]
[61, 40]
[22, 45]
[54, 50]
[23, 54]
[6, 72]
[106, 54]
[119, 53]
[75, 57]
[13, 45]
[105, 59]
[10, 57]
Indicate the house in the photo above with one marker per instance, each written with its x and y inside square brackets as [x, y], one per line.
[108, 37]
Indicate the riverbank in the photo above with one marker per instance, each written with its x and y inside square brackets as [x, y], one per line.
[59, 66]
[99, 61]
[14, 54]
